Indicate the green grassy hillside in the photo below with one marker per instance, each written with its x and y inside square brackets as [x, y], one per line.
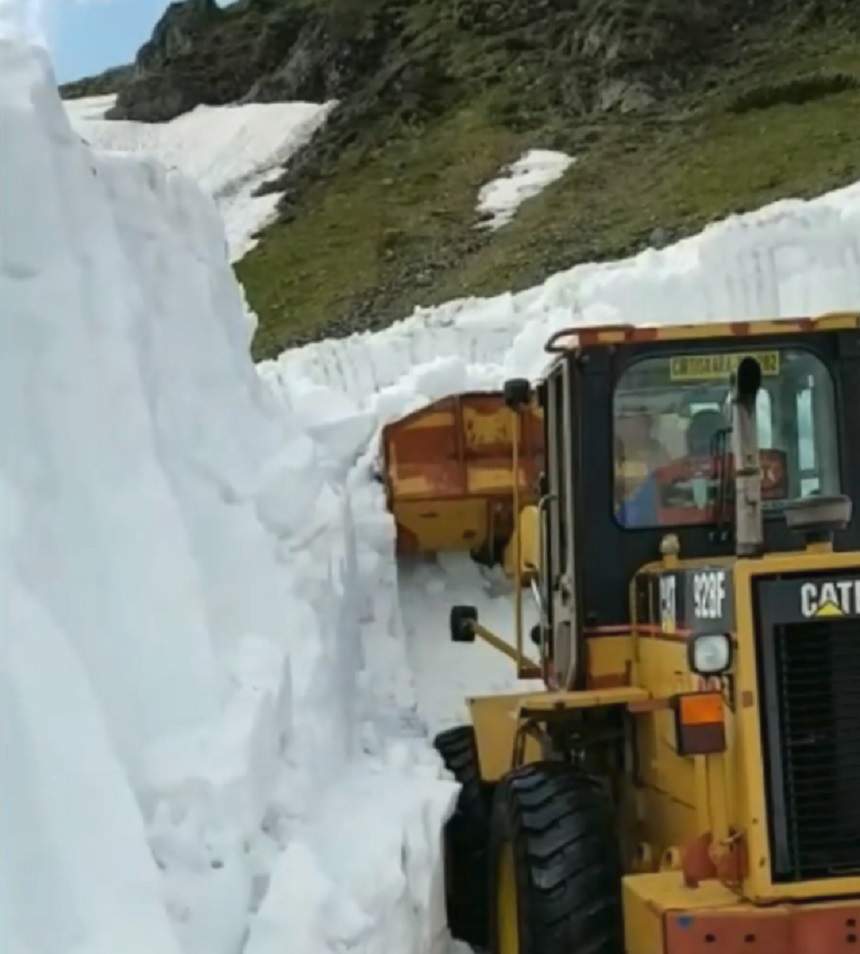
[391, 226]
[678, 111]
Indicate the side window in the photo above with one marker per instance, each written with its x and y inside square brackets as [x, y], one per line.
[810, 482]
[817, 438]
[764, 415]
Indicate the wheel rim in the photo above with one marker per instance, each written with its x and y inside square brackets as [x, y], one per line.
[507, 907]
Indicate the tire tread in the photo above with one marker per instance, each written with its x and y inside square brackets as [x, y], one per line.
[466, 838]
[568, 865]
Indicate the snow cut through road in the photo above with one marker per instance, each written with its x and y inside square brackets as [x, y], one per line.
[203, 602]
[230, 151]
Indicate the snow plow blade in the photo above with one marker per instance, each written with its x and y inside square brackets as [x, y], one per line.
[449, 473]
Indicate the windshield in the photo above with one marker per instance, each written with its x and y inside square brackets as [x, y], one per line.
[672, 435]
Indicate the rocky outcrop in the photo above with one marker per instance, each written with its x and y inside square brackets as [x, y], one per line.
[464, 83]
[585, 56]
[176, 34]
[197, 54]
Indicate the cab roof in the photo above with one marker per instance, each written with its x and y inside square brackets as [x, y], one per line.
[568, 340]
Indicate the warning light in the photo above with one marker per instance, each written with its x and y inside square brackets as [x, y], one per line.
[700, 723]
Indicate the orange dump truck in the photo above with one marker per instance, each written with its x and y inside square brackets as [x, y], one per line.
[449, 478]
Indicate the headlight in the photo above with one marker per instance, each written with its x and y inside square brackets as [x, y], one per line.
[710, 654]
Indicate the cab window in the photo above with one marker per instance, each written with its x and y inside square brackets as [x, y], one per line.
[672, 435]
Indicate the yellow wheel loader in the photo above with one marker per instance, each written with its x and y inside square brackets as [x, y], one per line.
[679, 505]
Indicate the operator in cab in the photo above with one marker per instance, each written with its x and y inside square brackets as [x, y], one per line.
[672, 436]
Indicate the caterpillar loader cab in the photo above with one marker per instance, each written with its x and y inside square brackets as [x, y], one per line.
[688, 782]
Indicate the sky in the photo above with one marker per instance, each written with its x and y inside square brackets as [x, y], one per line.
[87, 36]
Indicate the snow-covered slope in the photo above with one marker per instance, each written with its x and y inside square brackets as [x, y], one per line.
[188, 727]
[230, 151]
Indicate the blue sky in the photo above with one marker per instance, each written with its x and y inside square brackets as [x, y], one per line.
[87, 36]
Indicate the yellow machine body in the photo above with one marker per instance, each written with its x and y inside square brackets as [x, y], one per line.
[696, 829]
[698, 855]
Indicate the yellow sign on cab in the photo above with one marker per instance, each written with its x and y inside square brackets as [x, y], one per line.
[715, 367]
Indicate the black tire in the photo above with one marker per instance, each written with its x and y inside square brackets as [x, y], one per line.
[467, 836]
[567, 869]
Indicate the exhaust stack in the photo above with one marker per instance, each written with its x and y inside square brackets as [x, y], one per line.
[749, 520]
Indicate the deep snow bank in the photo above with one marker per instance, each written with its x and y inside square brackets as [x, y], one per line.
[789, 258]
[229, 151]
[182, 677]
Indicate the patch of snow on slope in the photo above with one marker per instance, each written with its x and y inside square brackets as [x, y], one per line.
[499, 200]
[185, 700]
[230, 151]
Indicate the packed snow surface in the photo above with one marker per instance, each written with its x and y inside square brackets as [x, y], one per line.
[499, 200]
[230, 151]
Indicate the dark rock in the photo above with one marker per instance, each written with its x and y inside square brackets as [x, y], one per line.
[156, 98]
[180, 27]
[589, 56]
[204, 54]
[660, 237]
[625, 97]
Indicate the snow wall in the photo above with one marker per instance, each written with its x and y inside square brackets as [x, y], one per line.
[229, 151]
[788, 259]
[192, 756]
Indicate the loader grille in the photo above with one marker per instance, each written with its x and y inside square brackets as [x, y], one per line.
[811, 676]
